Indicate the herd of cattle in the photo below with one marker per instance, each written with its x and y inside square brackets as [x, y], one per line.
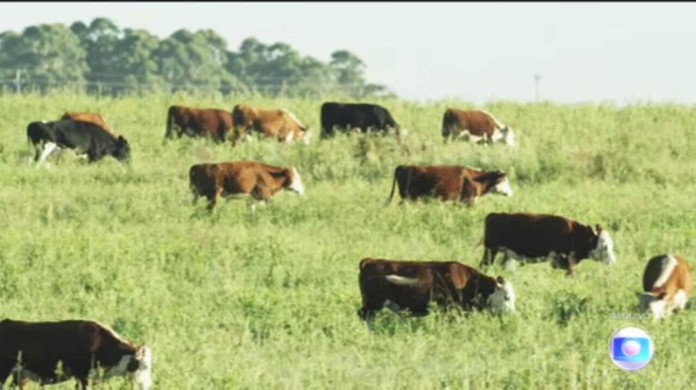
[30, 351]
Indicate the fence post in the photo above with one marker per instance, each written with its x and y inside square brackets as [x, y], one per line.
[18, 81]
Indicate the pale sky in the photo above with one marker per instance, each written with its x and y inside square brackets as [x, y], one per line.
[478, 52]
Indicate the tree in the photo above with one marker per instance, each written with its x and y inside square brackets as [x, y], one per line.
[100, 40]
[195, 61]
[111, 59]
[47, 55]
[134, 66]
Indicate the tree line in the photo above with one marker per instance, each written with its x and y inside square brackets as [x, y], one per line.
[102, 58]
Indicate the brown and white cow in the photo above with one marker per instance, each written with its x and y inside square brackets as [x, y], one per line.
[536, 237]
[448, 183]
[254, 180]
[412, 285]
[32, 351]
[477, 126]
[280, 124]
[667, 286]
[88, 117]
[211, 123]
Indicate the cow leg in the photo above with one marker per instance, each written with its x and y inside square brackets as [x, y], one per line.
[366, 313]
[48, 148]
[488, 257]
[506, 258]
[571, 264]
[213, 198]
[373, 301]
[5, 370]
[81, 384]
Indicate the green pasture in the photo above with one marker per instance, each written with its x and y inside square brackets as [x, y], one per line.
[268, 301]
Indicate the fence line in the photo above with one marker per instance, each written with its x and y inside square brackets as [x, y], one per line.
[16, 81]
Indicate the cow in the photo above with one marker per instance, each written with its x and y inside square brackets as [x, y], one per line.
[32, 351]
[363, 116]
[256, 181]
[83, 138]
[536, 237]
[211, 123]
[413, 285]
[88, 117]
[667, 286]
[477, 126]
[280, 124]
[448, 183]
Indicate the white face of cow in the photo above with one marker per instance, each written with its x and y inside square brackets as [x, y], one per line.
[503, 298]
[306, 137]
[296, 185]
[605, 248]
[503, 187]
[508, 136]
[654, 304]
[143, 374]
[660, 306]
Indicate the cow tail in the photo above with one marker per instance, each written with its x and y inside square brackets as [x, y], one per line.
[445, 125]
[168, 132]
[391, 195]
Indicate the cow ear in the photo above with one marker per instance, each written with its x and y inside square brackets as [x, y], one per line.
[599, 229]
[500, 280]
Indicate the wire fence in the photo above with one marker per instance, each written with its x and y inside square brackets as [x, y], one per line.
[113, 84]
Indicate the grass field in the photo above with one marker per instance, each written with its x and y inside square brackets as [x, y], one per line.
[269, 301]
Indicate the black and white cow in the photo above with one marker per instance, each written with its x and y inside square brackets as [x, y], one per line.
[83, 138]
[538, 237]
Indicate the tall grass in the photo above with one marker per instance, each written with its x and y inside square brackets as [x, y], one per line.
[236, 301]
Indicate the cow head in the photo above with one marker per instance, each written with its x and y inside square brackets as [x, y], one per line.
[502, 300]
[655, 303]
[504, 135]
[660, 304]
[604, 247]
[137, 365]
[501, 184]
[121, 149]
[306, 136]
[295, 184]
[143, 374]
[508, 136]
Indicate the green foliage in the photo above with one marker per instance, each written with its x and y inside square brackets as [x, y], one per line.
[269, 301]
[111, 61]
[47, 55]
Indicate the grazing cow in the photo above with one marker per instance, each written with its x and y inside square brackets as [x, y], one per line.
[254, 180]
[89, 118]
[414, 284]
[532, 237]
[476, 125]
[448, 183]
[31, 351]
[209, 123]
[667, 286]
[82, 137]
[279, 124]
[347, 116]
